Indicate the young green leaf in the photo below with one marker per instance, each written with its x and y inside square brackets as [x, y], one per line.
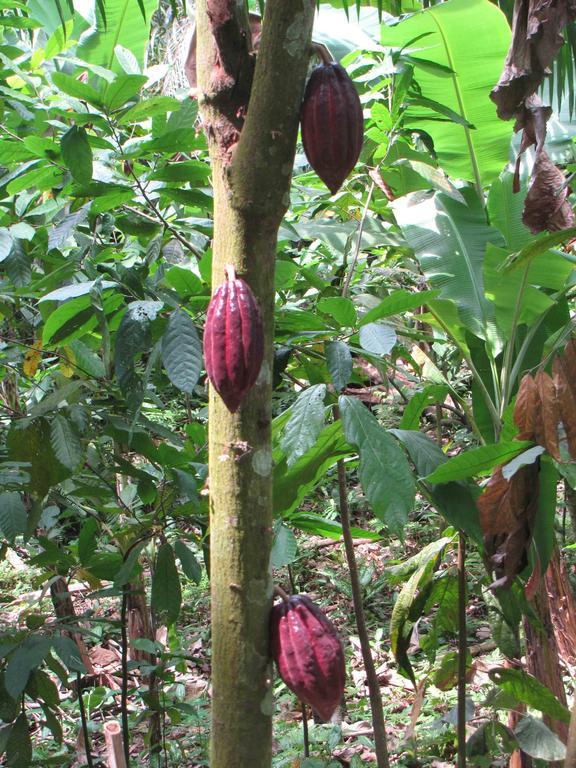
[182, 351]
[384, 470]
[306, 423]
[339, 362]
[166, 590]
[77, 154]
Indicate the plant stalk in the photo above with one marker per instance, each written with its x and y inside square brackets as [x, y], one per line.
[462, 650]
[375, 695]
[84, 721]
[124, 664]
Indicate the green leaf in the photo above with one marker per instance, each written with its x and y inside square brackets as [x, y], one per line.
[538, 245]
[530, 691]
[157, 105]
[182, 351]
[117, 23]
[305, 424]
[77, 154]
[543, 532]
[384, 471]
[340, 308]
[25, 658]
[339, 362]
[475, 155]
[133, 339]
[13, 517]
[18, 265]
[449, 240]
[166, 591]
[477, 461]
[77, 89]
[87, 540]
[432, 395]
[121, 90]
[398, 301]
[407, 611]
[68, 651]
[30, 442]
[190, 565]
[65, 442]
[129, 566]
[538, 741]
[19, 747]
[292, 484]
[397, 574]
[6, 242]
[284, 546]
[377, 338]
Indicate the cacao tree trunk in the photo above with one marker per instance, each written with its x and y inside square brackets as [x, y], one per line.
[252, 152]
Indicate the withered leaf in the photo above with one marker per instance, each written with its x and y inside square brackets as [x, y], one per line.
[548, 417]
[564, 370]
[546, 206]
[526, 407]
[536, 39]
[507, 511]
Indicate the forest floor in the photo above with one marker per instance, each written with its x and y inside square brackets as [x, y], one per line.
[420, 720]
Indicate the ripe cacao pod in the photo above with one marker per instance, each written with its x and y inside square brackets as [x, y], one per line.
[332, 124]
[233, 340]
[308, 653]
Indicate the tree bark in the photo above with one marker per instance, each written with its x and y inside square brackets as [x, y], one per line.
[252, 151]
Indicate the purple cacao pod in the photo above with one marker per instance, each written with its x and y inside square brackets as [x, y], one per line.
[332, 124]
[233, 340]
[308, 653]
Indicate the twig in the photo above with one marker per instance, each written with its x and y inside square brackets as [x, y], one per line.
[375, 695]
[462, 650]
[360, 232]
[84, 721]
[305, 731]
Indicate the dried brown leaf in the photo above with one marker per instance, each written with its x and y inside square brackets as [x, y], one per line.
[536, 39]
[548, 418]
[546, 206]
[564, 370]
[507, 510]
[526, 407]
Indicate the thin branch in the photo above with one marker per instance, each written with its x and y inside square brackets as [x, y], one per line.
[462, 650]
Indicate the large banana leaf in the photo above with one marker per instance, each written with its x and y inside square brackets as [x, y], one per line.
[124, 25]
[471, 38]
[449, 239]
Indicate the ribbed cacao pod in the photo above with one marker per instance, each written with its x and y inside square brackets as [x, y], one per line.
[332, 124]
[308, 653]
[233, 340]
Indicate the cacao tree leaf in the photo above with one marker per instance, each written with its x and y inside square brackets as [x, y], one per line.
[166, 591]
[25, 658]
[538, 741]
[377, 338]
[30, 442]
[477, 461]
[19, 746]
[190, 565]
[398, 301]
[77, 154]
[65, 228]
[13, 518]
[339, 362]
[527, 689]
[182, 351]
[9, 707]
[126, 572]
[18, 265]
[65, 442]
[305, 424]
[292, 484]
[45, 688]
[68, 651]
[77, 89]
[384, 471]
[122, 89]
[284, 546]
[435, 393]
[6, 242]
[340, 308]
[86, 540]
